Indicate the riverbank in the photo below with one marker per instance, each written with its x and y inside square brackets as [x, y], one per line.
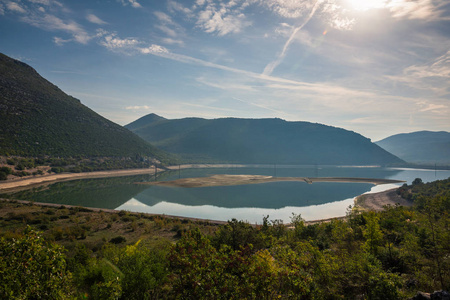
[377, 201]
[38, 180]
[26, 183]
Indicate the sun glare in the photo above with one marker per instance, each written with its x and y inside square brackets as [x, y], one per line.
[364, 5]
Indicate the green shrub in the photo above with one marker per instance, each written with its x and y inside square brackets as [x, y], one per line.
[33, 269]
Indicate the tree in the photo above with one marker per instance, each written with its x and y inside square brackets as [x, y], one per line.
[372, 233]
[417, 181]
[4, 172]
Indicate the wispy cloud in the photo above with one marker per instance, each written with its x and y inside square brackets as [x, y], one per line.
[437, 108]
[217, 18]
[36, 15]
[94, 19]
[42, 2]
[60, 41]
[224, 84]
[221, 21]
[15, 7]
[53, 23]
[163, 17]
[289, 8]
[174, 6]
[113, 43]
[133, 3]
[169, 28]
[171, 41]
[271, 66]
[139, 107]
[420, 9]
[433, 76]
[439, 68]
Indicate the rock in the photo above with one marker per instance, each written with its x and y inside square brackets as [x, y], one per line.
[440, 295]
[421, 296]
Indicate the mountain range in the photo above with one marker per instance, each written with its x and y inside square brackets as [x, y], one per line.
[259, 141]
[37, 118]
[421, 147]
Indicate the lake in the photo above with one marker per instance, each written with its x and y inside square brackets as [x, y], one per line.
[251, 203]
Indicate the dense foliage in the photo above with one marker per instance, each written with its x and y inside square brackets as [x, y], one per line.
[31, 268]
[265, 141]
[37, 118]
[386, 255]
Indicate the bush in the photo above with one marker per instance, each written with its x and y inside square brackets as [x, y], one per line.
[118, 239]
[4, 172]
[33, 269]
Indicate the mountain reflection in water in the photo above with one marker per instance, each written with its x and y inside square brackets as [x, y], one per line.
[246, 202]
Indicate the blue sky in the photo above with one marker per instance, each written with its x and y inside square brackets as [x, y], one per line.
[378, 67]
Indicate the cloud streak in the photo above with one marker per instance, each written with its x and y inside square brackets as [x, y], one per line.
[15, 7]
[271, 66]
[133, 3]
[94, 19]
[36, 15]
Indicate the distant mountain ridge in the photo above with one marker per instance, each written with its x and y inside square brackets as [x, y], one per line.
[259, 141]
[420, 147]
[37, 118]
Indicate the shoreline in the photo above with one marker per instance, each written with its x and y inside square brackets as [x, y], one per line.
[14, 185]
[371, 201]
[26, 183]
[365, 202]
[377, 201]
[229, 180]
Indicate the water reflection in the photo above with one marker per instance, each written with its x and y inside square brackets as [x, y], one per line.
[266, 195]
[246, 202]
[100, 192]
[250, 214]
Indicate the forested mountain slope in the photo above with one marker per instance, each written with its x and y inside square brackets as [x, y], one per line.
[37, 118]
[259, 141]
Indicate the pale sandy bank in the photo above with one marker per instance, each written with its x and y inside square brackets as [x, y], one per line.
[227, 180]
[11, 185]
[377, 201]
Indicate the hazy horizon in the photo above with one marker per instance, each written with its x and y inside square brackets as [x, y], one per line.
[377, 67]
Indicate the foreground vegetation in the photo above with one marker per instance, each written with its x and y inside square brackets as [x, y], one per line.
[83, 254]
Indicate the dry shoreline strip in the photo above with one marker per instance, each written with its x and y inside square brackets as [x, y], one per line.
[377, 201]
[29, 182]
[20, 184]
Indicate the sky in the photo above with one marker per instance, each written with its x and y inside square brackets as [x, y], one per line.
[377, 67]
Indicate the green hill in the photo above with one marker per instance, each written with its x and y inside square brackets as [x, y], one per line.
[259, 141]
[37, 118]
[421, 147]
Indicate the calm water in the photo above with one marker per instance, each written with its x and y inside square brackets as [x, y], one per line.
[245, 202]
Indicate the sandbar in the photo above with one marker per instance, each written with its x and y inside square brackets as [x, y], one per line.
[229, 180]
